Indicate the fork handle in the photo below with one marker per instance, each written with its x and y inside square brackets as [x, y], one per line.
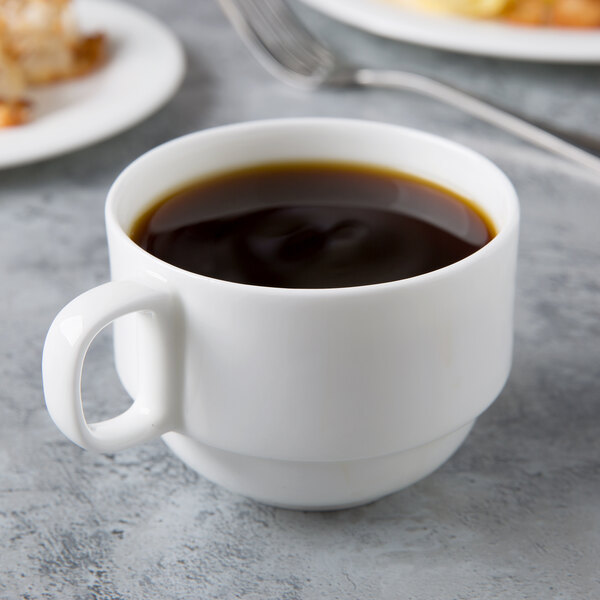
[585, 152]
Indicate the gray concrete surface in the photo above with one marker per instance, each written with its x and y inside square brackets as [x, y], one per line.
[514, 514]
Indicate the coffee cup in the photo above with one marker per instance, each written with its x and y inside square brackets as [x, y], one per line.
[302, 398]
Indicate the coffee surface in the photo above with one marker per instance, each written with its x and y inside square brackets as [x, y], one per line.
[312, 225]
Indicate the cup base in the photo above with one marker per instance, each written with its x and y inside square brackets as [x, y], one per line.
[313, 485]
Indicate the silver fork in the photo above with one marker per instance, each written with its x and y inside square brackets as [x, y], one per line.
[286, 48]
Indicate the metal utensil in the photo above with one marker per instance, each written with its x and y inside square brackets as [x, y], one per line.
[286, 48]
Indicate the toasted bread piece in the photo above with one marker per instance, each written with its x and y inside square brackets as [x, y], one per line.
[576, 13]
[14, 112]
[40, 43]
[44, 38]
[14, 109]
[12, 79]
[88, 54]
[560, 13]
[529, 12]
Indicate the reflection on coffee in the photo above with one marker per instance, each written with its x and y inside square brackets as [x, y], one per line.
[312, 225]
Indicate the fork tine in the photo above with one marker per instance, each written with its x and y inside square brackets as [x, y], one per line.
[263, 21]
[291, 25]
[279, 40]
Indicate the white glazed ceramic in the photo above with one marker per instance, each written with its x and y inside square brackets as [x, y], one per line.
[144, 69]
[299, 398]
[403, 21]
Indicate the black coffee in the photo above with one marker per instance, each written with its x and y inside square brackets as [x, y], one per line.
[312, 225]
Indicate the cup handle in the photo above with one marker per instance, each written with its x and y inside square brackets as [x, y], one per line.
[154, 410]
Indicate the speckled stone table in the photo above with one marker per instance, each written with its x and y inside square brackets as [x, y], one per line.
[514, 514]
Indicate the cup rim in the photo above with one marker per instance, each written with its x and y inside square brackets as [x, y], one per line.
[507, 229]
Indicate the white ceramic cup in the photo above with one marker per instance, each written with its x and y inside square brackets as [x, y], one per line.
[304, 398]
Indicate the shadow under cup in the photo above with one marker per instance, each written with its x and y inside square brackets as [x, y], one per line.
[317, 398]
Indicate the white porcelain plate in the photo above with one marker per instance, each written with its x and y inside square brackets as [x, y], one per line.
[144, 69]
[470, 36]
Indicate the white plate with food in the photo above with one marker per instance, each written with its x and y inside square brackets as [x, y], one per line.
[140, 65]
[562, 31]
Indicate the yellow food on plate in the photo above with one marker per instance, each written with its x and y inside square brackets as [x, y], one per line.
[40, 42]
[556, 13]
[471, 8]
